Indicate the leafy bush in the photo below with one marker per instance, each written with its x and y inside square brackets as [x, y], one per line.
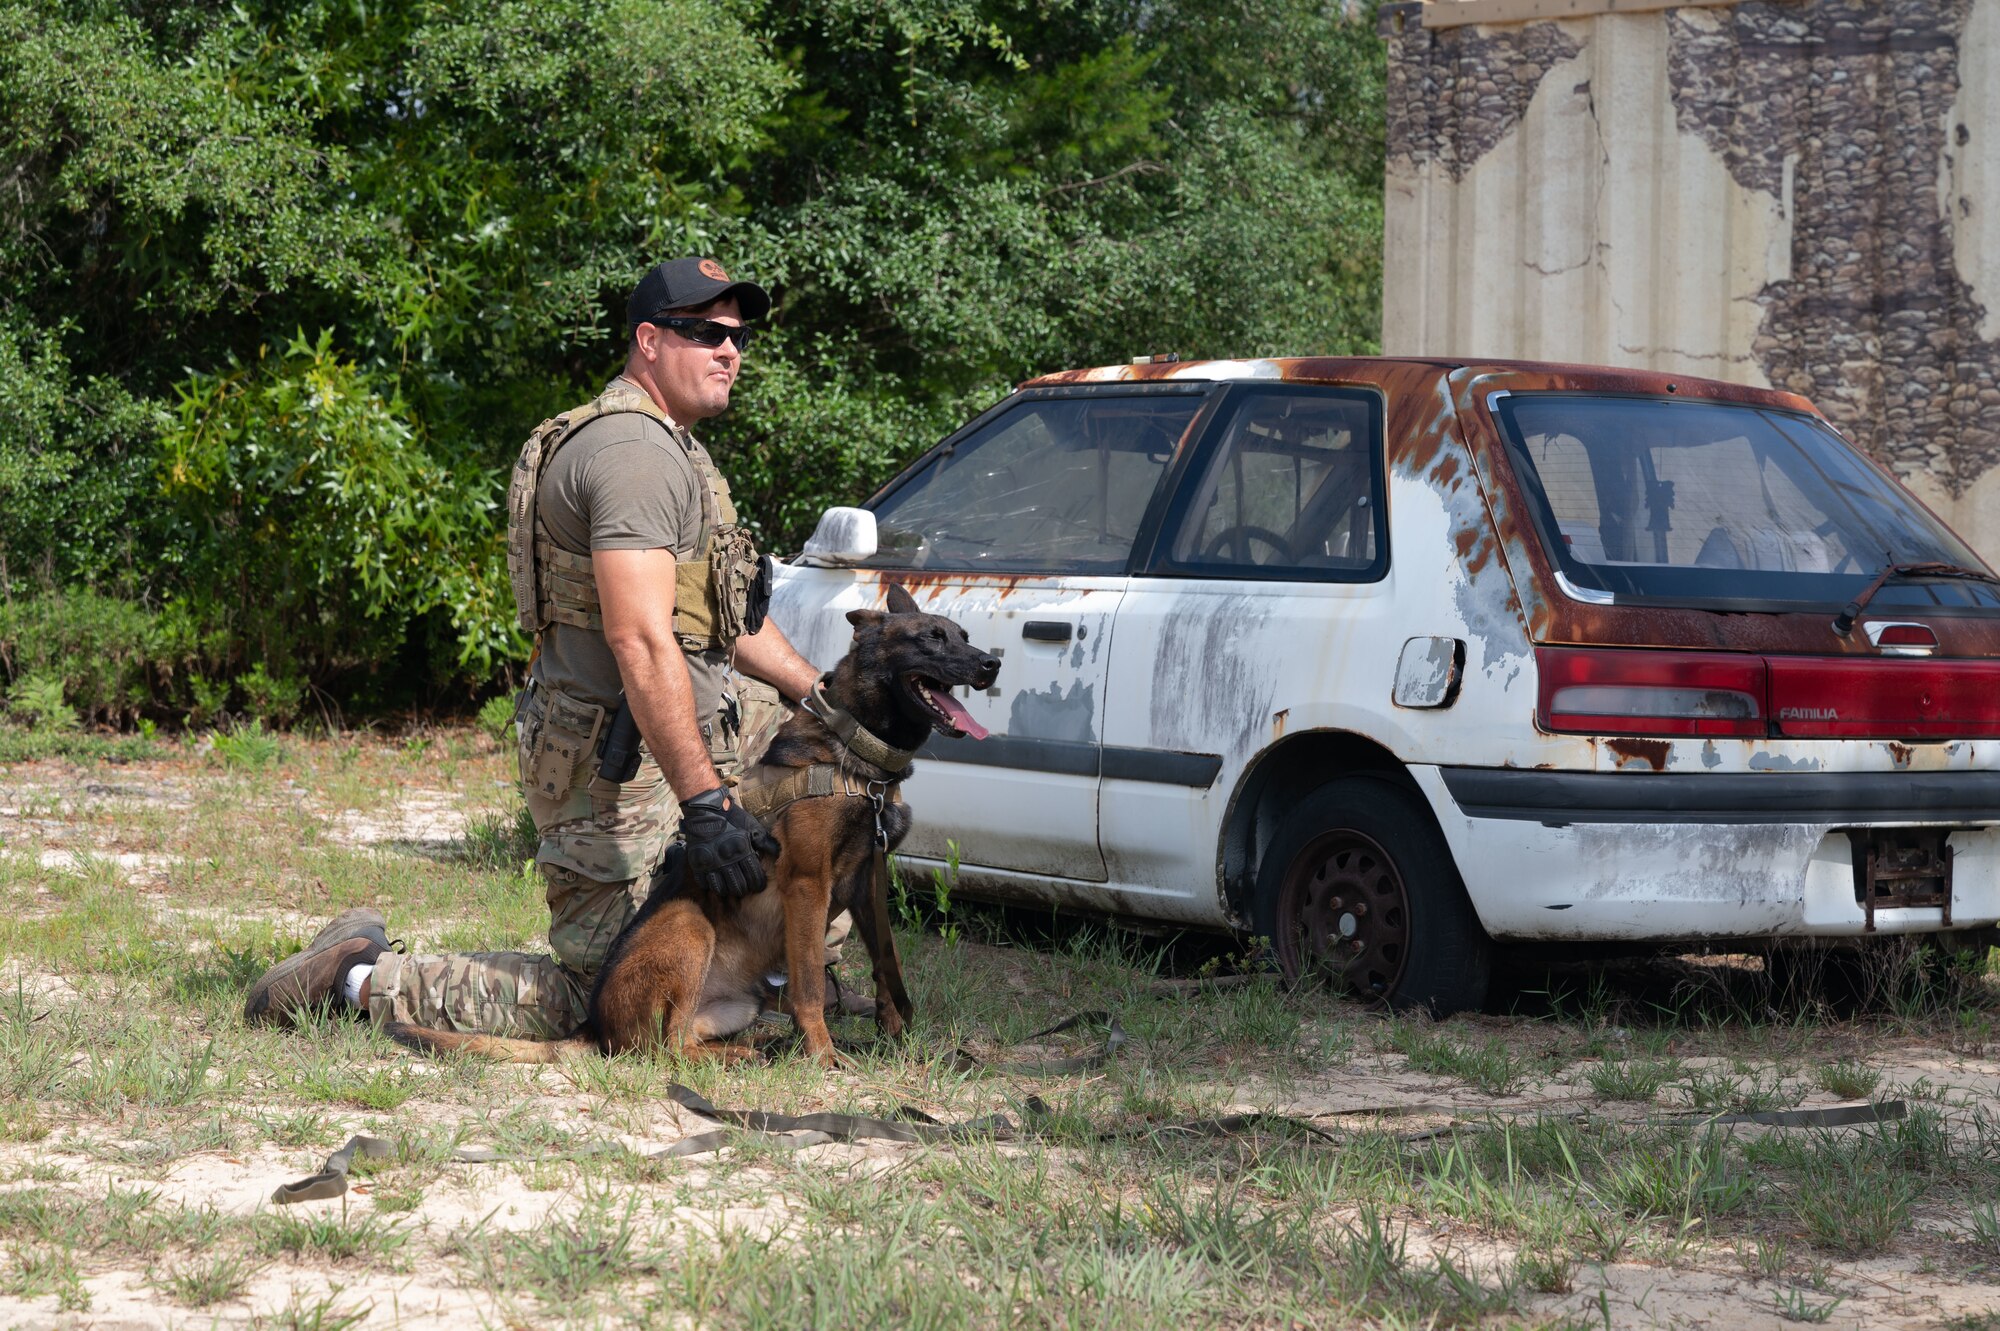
[496, 714]
[248, 747]
[111, 655]
[282, 288]
[38, 700]
[273, 698]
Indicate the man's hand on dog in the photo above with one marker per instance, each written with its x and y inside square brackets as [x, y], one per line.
[724, 841]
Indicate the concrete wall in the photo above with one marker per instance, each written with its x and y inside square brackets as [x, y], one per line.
[1800, 193]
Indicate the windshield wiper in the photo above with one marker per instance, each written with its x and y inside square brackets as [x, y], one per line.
[1843, 623]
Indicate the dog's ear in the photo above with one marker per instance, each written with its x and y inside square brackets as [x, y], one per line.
[863, 618]
[901, 602]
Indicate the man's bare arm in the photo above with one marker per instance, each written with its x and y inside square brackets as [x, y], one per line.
[769, 655]
[635, 590]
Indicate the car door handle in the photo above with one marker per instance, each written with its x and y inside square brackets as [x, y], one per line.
[1047, 630]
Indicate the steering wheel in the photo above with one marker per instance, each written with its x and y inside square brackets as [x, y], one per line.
[1241, 535]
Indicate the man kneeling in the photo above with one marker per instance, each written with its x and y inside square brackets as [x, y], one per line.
[629, 568]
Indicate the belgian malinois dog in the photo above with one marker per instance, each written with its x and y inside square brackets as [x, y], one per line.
[689, 970]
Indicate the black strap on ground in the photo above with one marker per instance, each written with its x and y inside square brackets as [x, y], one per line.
[1114, 1040]
[332, 1180]
[1832, 1116]
[913, 1126]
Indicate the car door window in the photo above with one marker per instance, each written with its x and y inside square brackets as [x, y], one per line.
[1052, 486]
[1292, 488]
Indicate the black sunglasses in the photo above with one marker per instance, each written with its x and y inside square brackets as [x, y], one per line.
[704, 332]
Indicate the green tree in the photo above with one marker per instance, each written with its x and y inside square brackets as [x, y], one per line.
[283, 286]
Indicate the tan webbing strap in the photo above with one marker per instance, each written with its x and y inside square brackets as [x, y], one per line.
[765, 793]
[854, 735]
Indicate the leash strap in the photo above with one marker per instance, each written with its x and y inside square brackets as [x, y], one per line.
[331, 1181]
[796, 1131]
[1114, 1040]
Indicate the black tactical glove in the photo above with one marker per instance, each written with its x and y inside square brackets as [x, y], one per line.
[723, 844]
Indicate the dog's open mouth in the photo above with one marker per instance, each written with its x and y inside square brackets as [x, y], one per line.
[948, 714]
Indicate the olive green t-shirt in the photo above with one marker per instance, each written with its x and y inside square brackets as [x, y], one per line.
[621, 482]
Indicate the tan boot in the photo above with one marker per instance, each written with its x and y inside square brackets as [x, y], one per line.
[311, 977]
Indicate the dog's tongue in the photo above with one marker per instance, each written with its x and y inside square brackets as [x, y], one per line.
[960, 718]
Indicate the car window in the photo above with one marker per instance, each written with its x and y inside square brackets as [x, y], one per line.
[1701, 501]
[1292, 487]
[1050, 486]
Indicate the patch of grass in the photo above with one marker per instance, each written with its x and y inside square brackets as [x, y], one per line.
[156, 1073]
[1551, 1272]
[248, 748]
[22, 1122]
[1847, 1079]
[1713, 1090]
[99, 927]
[1372, 1267]
[499, 840]
[331, 1237]
[305, 1127]
[207, 1279]
[320, 1314]
[564, 1262]
[1847, 1196]
[1488, 1065]
[382, 1089]
[1223, 1225]
[40, 1215]
[227, 972]
[391, 1199]
[1680, 1175]
[1637, 1079]
[1261, 1013]
[37, 1272]
[1796, 1305]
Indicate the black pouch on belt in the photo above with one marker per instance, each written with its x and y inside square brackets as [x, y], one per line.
[758, 603]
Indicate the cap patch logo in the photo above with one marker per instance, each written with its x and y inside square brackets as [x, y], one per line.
[712, 270]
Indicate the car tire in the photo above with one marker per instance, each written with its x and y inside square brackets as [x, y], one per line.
[1414, 942]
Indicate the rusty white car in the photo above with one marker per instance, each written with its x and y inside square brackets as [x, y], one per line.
[1391, 661]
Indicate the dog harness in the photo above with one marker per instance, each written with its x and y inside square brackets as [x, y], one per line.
[873, 769]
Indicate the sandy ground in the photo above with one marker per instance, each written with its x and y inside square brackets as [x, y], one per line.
[1917, 1283]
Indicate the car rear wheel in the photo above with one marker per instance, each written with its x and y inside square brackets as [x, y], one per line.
[1359, 890]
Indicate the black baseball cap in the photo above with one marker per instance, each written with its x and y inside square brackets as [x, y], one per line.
[686, 284]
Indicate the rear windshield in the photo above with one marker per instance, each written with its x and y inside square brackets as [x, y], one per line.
[1716, 504]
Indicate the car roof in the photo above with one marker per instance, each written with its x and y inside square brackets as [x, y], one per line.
[1383, 369]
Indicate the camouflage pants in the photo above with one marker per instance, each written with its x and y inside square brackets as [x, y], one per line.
[600, 843]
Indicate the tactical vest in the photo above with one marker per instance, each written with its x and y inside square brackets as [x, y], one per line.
[712, 587]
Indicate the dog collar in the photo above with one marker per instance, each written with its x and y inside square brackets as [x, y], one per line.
[859, 740]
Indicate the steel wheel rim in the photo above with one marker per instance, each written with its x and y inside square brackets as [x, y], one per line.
[1344, 915]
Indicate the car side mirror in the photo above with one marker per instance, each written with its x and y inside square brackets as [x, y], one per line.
[844, 536]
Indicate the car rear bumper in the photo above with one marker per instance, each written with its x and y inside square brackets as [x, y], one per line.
[1613, 855]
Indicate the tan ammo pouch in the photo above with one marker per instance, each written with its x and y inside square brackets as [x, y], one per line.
[561, 737]
[717, 614]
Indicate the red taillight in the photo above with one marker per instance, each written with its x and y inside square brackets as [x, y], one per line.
[1904, 635]
[1841, 697]
[1612, 691]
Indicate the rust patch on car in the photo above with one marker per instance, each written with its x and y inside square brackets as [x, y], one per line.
[1899, 754]
[1652, 752]
[927, 581]
[1279, 720]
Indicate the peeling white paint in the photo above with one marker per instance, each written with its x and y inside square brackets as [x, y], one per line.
[1969, 173]
[1595, 231]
